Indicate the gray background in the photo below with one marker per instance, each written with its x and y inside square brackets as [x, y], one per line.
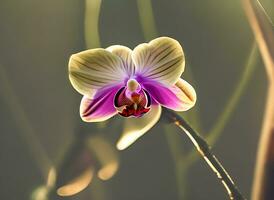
[37, 38]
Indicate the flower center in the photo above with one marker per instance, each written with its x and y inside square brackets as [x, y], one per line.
[133, 85]
[132, 100]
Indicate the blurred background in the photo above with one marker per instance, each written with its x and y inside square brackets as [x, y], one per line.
[40, 124]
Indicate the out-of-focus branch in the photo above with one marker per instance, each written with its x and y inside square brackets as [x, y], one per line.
[263, 31]
[92, 12]
[231, 104]
[264, 34]
[147, 19]
[23, 123]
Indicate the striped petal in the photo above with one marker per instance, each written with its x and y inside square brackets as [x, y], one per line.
[162, 60]
[134, 127]
[94, 69]
[179, 97]
[124, 53]
[101, 107]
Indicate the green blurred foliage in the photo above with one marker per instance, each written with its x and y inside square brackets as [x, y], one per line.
[37, 38]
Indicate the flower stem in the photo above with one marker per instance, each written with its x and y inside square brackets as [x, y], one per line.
[205, 151]
[231, 104]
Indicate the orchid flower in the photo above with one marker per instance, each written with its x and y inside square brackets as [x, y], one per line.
[132, 83]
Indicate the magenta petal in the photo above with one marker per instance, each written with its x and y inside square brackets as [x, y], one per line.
[171, 97]
[101, 107]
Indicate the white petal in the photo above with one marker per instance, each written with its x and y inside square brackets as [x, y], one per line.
[186, 94]
[125, 54]
[134, 128]
[161, 59]
[93, 69]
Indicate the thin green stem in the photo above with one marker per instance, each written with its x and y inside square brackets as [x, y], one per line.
[231, 105]
[26, 131]
[176, 152]
[150, 31]
[92, 13]
[149, 28]
[182, 173]
[204, 150]
[147, 19]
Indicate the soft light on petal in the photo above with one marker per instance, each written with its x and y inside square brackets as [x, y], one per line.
[186, 94]
[124, 53]
[107, 156]
[93, 69]
[40, 193]
[179, 97]
[108, 170]
[101, 107]
[134, 128]
[162, 60]
[76, 185]
[76, 170]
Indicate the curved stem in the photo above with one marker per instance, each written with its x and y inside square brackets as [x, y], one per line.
[263, 31]
[205, 151]
[177, 153]
[232, 103]
[20, 117]
[92, 12]
[262, 27]
[147, 19]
